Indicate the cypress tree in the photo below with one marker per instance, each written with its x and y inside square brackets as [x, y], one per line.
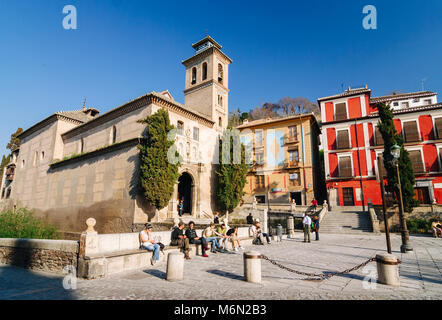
[391, 137]
[231, 173]
[159, 160]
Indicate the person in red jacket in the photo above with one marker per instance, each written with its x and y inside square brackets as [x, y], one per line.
[314, 204]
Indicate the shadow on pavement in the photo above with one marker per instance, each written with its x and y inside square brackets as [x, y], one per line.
[226, 274]
[156, 273]
[21, 284]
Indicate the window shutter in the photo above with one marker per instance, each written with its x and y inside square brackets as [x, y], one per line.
[410, 131]
[343, 140]
[381, 167]
[438, 129]
[379, 139]
[345, 167]
[416, 160]
[341, 111]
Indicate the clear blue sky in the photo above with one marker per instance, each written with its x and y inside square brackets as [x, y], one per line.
[123, 49]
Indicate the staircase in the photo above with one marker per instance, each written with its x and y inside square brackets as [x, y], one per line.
[347, 221]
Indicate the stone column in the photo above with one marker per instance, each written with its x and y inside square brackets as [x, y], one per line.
[265, 221]
[252, 266]
[290, 227]
[89, 239]
[175, 266]
[90, 267]
[387, 266]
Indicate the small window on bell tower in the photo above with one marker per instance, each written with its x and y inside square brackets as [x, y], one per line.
[220, 73]
[193, 75]
[204, 71]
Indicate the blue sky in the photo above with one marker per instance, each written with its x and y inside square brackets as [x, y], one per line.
[123, 49]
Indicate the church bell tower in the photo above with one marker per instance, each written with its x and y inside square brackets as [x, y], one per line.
[207, 81]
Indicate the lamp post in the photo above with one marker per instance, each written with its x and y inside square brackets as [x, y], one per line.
[395, 151]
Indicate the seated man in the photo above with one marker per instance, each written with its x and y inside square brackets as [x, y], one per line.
[209, 235]
[179, 239]
[258, 227]
[437, 228]
[257, 234]
[233, 234]
[193, 238]
[149, 244]
[221, 233]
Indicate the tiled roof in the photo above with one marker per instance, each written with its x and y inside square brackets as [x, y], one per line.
[346, 93]
[273, 120]
[414, 109]
[79, 115]
[402, 96]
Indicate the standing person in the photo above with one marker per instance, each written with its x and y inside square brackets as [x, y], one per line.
[233, 234]
[316, 227]
[148, 243]
[216, 218]
[180, 240]
[181, 207]
[250, 218]
[209, 235]
[307, 221]
[194, 239]
[314, 204]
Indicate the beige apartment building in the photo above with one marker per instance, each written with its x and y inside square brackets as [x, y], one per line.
[79, 164]
[285, 155]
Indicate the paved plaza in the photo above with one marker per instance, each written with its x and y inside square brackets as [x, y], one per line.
[221, 276]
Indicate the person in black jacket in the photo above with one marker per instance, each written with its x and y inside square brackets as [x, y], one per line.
[250, 218]
[179, 239]
[193, 238]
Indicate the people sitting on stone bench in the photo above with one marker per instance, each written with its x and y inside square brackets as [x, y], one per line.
[255, 231]
[210, 236]
[221, 234]
[232, 233]
[148, 243]
[437, 228]
[194, 239]
[179, 239]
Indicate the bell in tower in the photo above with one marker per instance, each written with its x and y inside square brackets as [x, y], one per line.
[207, 81]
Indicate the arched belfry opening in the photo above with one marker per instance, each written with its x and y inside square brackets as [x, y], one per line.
[185, 191]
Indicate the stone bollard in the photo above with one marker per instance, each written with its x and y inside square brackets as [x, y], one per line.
[387, 266]
[175, 266]
[290, 227]
[252, 266]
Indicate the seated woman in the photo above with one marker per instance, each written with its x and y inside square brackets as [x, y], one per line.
[437, 228]
[149, 244]
[232, 233]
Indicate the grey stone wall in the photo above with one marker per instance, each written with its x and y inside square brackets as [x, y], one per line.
[43, 255]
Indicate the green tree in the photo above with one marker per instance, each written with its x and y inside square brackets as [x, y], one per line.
[159, 160]
[231, 173]
[14, 143]
[5, 161]
[391, 137]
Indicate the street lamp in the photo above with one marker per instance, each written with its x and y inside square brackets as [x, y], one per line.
[395, 151]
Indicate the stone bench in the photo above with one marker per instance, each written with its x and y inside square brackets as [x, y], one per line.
[121, 252]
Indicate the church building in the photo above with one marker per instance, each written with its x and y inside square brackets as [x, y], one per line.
[79, 164]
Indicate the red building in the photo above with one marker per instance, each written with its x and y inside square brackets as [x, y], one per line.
[353, 145]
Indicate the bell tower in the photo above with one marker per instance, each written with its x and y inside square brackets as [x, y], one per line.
[207, 81]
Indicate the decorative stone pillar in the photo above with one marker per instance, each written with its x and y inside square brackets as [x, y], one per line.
[175, 266]
[89, 239]
[290, 227]
[387, 266]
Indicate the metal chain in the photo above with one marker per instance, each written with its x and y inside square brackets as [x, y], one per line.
[318, 276]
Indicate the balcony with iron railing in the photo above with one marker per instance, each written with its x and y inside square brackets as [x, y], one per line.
[289, 139]
[291, 164]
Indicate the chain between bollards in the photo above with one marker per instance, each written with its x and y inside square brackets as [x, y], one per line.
[320, 276]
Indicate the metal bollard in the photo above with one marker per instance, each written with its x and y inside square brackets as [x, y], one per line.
[175, 266]
[252, 266]
[387, 266]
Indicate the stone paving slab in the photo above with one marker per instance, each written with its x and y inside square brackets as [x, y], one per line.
[221, 276]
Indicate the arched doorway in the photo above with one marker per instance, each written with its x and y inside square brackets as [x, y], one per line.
[185, 190]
